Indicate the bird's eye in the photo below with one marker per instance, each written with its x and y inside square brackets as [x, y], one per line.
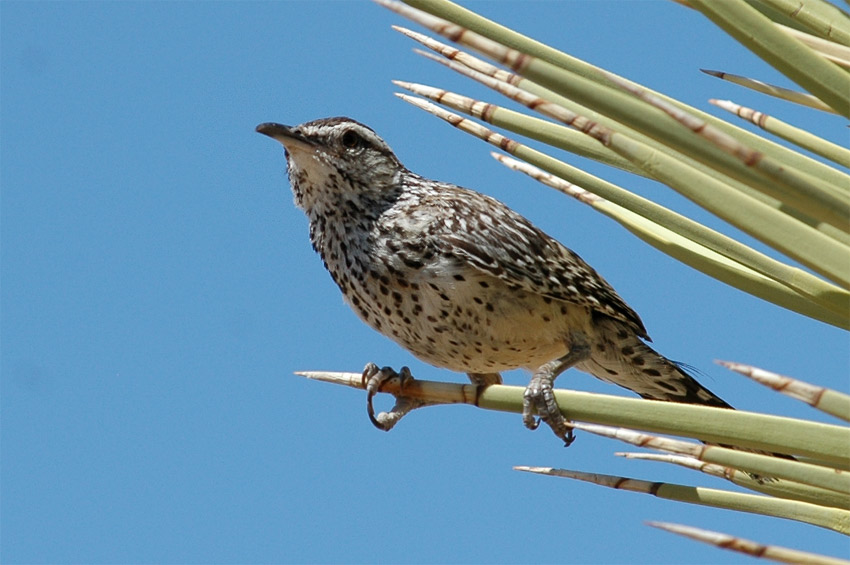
[351, 140]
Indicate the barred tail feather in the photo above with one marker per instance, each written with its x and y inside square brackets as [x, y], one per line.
[694, 392]
[620, 357]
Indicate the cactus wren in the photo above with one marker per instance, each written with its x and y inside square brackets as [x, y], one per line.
[461, 280]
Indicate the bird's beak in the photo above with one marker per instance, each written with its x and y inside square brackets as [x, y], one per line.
[284, 134]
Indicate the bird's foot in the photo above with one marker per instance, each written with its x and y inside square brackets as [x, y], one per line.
[539, 399]
[373, 379]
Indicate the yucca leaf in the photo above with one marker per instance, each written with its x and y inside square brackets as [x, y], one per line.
[827, 400]
[785, 53]
[782, 489]
[788, 132]
[818, 16]
[757, 463]
[469, 27]
[755, 549]
[832, 518]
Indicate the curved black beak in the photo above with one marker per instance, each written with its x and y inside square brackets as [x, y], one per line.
[281, 133]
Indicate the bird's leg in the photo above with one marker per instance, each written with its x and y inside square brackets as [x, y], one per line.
[373, 379]
[539, 398]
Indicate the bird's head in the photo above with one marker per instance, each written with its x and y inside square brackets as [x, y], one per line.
[335, 160]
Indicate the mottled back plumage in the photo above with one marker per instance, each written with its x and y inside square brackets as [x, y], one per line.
[460, 279]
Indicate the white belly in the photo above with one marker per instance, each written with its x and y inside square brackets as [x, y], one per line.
[474, 325]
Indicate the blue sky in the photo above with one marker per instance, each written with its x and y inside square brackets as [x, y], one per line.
[159, 290]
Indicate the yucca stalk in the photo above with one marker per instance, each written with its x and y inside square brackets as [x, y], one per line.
[797, 205]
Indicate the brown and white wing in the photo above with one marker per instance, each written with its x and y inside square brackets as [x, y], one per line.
[491, 237]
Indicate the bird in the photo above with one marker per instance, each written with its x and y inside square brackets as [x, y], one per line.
[461, 280]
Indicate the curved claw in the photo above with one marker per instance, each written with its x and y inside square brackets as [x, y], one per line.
[373, 379]
[528, 411]
[531, 422]
[539, 398]
[369, 371]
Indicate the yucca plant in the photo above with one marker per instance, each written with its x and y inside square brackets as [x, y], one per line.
[797, 205]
